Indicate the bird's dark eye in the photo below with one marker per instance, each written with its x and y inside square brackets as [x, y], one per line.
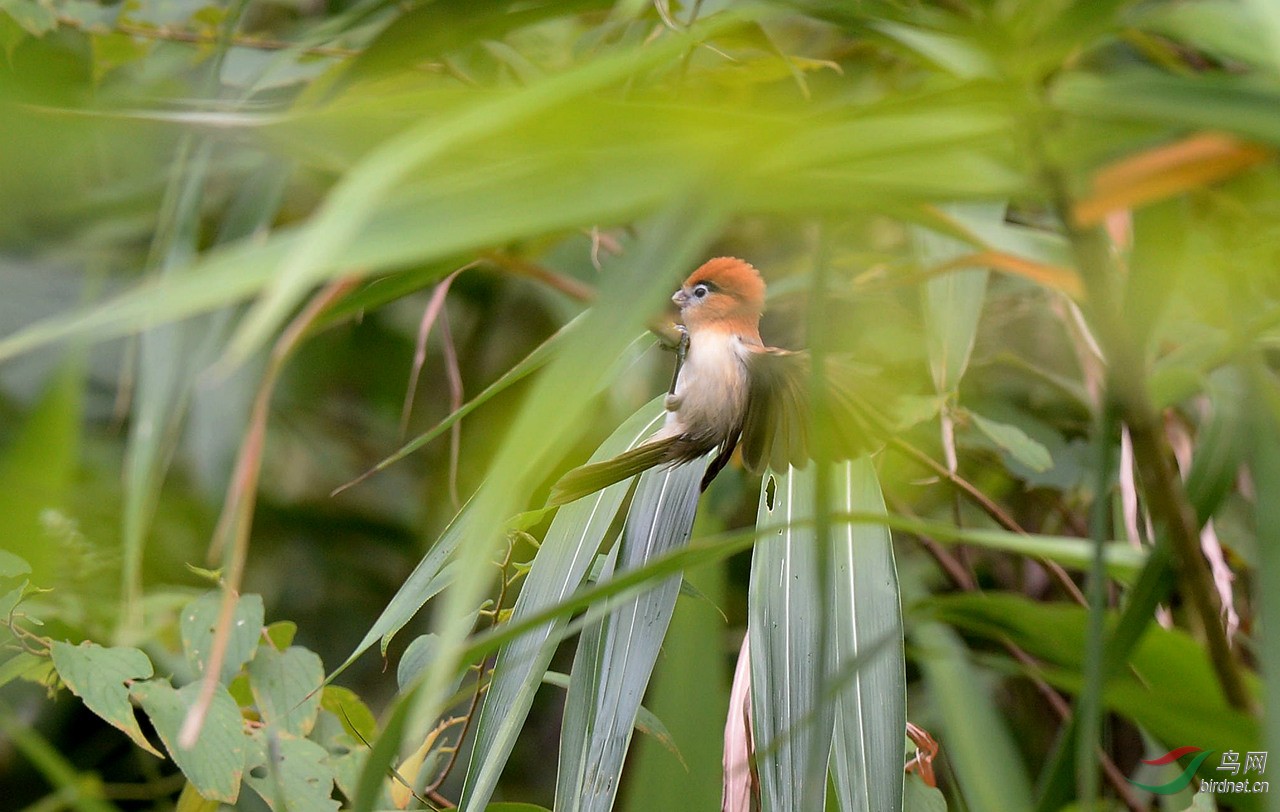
[700, 291]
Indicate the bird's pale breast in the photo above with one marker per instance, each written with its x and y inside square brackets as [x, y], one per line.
[711, 391]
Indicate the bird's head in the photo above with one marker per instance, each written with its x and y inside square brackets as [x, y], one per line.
[725, 293]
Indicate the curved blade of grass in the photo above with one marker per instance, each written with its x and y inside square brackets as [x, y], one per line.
[979, 745]
[562, 562]
[784, 621]
[354, 200]
[871, 712]
[532, 362]
[428, 579]
[615, 660]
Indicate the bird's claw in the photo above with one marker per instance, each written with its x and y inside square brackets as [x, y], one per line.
[682, 350]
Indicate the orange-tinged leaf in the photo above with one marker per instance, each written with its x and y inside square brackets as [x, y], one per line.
[1165, 171]
[1053, 276]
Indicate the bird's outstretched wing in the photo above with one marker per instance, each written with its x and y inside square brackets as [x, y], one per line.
[588, 479]
[777, 428]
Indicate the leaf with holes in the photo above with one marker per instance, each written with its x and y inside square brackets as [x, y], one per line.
[98, 676]
[199, 620]
[215, 763]
[290, 773]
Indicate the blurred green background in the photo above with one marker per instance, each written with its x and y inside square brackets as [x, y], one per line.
[1029, 215]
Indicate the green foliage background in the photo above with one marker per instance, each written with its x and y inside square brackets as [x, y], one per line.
[235, 234]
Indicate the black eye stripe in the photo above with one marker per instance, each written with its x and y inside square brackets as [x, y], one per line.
[711, 287]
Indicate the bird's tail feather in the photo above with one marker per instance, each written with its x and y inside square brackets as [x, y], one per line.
[588, 479]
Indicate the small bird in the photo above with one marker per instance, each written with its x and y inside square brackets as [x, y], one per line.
[731, 390]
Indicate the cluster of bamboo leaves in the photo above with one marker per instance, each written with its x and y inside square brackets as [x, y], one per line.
[1055, 225]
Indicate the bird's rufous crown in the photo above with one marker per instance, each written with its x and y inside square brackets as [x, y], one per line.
[733, 276]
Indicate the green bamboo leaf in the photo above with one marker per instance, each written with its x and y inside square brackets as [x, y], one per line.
[99, 676]
[871, 711]
[955, 53]
[551, 414]
[791, 724]
[1263, 421]
[37, 471]
[1015, 442]
[988, 767]
[562, 562]
[199, 619]
[427, 580]
[615, 660]
[1222, 28]
[920, 797]
[353, 202]
[1164, 672]
[285, 687]
[1214, 101]
[215, 763]
[647, 722]
[952, 301]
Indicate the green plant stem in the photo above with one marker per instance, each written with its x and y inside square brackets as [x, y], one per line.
[1089, 705]
[1128, 391]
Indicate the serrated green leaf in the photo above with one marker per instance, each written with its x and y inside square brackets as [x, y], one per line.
[199, 619]
[1014, 441]
[215, 763]
[98, 676]
[290, 773]
[286, 687]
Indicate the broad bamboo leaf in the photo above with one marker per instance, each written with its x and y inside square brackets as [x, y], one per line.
[1165, 672]
[616, 659]
[559, 568]
[953, 301]
[1217, 101]
[868, 664]
[551, 414]
[979, 745]
[1264, 464]
[792, 720]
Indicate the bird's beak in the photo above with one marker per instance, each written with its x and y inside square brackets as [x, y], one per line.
[680, 298]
